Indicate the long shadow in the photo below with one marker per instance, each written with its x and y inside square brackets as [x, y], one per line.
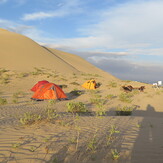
[148, 147]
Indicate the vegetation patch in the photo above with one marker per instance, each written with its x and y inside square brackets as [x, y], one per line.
[76, 107]
[126, 97]
[115, 154]
[76, 92]
[74, 83]
[22, 75]
[3, 101]
[29, 118]
[112, 84]
[110, 96]
[37, 71]
[124, 111]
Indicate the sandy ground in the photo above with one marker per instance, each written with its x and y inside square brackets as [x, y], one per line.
[70, 138]
[83, 138]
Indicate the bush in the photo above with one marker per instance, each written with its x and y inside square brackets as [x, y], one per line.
[76, 92]
[74, 83]
[3, 101]
[75, 107]
[125, 97]
[112, 84]
[29, 118]
[110, 96]
[124, 111]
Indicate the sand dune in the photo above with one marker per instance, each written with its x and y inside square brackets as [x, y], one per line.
[20, 53]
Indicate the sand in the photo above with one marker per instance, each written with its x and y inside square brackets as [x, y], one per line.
[67, 138]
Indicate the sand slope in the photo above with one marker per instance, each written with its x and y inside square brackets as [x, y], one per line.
[20, 53]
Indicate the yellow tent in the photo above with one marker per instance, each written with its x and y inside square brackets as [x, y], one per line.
[90, 84]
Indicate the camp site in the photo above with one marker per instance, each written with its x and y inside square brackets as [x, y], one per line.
[56, 110]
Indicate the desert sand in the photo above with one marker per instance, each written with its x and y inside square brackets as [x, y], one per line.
[97, 136]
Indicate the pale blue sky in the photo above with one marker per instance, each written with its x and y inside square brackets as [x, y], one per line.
[117, 31]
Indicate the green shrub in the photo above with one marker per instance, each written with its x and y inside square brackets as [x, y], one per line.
[22, 75]
[101, 112]
[37, 71]
[110, 96]
[5, 79]
[74, 83]
[112, 84]
[125, 97]
[76, 92]
[115, 154]
[97, 101]
[2, 70]
[124, 111]
[75, 107]
[51, 114]
[51, 102]
[3, 101]
[30, 118]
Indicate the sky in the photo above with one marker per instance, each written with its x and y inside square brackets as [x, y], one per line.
[122, 37]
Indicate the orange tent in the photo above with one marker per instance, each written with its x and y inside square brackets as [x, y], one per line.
[38, 85]
[90, 84]
[49, 91]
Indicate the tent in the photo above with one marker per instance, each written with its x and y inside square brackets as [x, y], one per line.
[90, 84]
[38, 85]
[49, 91]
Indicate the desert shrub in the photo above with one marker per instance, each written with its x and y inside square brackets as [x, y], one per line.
[49, 75]
[112, 84]
[51, 102]
[125, 97]
[51, 114]
[2, 70]
[17, 95]
[37, 71]
[74, 83]
[5, 79]
[29, 118]
[3, 101]
[115, 154]
[111, 135]
[124, 111]
[63, 79]
[93, 92]
[22, 75]
[91, 75]
[97, 101]
[110, 96]
[75, 107]
[74, 75]
[92, 144]
[127, 81]
[76, 92]
[135, 92]
[101, 112]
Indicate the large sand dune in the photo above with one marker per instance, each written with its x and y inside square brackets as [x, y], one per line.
[20, 53]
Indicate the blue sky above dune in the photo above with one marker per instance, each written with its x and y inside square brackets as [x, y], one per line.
[107, 32]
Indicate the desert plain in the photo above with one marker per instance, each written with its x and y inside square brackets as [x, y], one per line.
[46, 132]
